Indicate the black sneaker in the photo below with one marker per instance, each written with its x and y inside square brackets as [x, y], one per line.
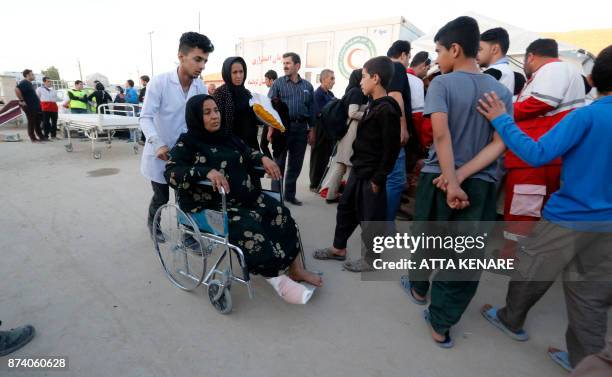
[158, 235]
[14, 339]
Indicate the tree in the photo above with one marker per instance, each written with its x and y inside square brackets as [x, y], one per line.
[51, 73]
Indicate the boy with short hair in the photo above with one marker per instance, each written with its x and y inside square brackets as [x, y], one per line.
[375, 151]
[463, 161]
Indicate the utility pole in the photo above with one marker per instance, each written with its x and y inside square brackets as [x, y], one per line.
[199, 22]
[80, 72]
[151, 43]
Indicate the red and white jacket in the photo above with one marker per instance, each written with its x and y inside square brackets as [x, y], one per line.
[48, 99]
[554, 90]
[417, 100]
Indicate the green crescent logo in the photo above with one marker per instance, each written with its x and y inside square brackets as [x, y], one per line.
[352, 46]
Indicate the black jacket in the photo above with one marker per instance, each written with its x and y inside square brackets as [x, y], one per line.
[377, 144]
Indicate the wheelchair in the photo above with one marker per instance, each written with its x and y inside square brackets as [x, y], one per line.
[187, 247]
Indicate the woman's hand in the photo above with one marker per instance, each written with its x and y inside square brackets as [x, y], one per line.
[491, 107]
[271, 168]
[375, 188]
[218, 180]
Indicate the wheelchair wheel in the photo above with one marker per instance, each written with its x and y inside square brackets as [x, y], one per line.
[179, 247]
[220, 297]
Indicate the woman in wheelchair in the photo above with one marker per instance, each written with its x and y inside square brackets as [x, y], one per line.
[260, 225]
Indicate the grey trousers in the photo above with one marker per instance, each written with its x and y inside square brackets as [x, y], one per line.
[585, 260]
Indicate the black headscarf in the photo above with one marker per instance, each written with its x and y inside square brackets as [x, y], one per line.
[240, 94]
[196, 132]
[194, 117]
[354, 80]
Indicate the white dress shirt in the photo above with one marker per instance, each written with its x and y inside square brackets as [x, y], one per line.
[162, 119]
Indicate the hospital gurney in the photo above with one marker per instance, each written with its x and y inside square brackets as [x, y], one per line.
[107, 121]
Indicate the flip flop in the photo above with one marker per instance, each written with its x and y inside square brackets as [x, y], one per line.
[407, 287]
[560, 357]
[327, 254]
[448, 342]
[490, 314]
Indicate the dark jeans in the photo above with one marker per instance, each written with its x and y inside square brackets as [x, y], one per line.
[78, 111]
[320, 153]
[49, 123]
[34, 130]
[293, 156]
[451, 291]
[360, 205]
[161, 196]
[586, 264]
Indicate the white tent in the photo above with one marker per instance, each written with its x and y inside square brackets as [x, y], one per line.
[519, 40]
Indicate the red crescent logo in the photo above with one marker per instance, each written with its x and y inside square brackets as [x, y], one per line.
[349, 58]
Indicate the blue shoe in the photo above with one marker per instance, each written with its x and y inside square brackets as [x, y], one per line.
[490, 314]
[560, 357]
[448, 342]
[407, 287]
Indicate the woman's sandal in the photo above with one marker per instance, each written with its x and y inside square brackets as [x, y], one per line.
[448, 342]
[327, 254]
[560, 357]
[490, 314]
[407, 287]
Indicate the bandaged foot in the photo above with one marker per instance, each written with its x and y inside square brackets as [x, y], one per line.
[291, 291]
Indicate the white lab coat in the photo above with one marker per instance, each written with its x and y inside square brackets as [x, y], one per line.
[162, 119]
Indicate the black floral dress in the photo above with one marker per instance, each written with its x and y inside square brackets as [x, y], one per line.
[258, 224]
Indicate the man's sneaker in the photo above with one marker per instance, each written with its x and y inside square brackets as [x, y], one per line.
[158, 235]
[14, 339]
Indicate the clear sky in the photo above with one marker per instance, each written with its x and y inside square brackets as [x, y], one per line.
[111, 37]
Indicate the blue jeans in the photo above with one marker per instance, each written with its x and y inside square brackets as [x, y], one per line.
[395, 185]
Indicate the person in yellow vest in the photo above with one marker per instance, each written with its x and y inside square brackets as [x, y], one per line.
[77, 99]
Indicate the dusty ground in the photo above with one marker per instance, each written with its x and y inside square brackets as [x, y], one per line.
[77, 263]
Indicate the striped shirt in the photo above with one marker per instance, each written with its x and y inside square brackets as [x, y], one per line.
[298, 96]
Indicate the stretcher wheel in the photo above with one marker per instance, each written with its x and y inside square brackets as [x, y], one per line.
[178, 244]
[97, 155]
[68, 147]
[220, 296]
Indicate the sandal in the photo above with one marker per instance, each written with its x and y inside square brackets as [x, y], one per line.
[490, 314]
[358, 265]
[560, 357]
[447, 342]
[407, 287]
[327, 254]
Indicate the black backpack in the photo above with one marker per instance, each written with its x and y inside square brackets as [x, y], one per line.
[333, 118]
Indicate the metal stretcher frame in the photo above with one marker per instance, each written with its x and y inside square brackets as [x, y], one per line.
[107, 121]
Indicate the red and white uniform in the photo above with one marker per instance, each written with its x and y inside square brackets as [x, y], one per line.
[417, 99]
[48, 98]
[551, 93]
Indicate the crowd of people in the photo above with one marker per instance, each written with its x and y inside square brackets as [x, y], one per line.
[473, 134]
[40, 105]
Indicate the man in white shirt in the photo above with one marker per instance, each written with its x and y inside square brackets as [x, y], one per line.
[162, 119]
[494, 45]
[48, 105]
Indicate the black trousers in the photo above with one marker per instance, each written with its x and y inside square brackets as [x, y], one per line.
[161, 196]
[293, 157]
[34, 130]
[49, 119]
[320, 153]
[359, 204]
